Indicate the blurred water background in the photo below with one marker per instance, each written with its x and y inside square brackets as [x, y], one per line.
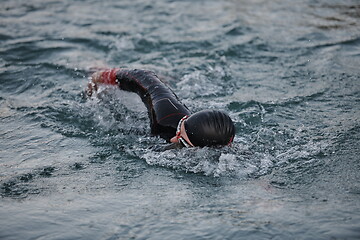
[286, 71]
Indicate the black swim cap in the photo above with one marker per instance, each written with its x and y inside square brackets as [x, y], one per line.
[210, 128]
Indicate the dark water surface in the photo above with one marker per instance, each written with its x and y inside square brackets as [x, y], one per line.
[286, 71]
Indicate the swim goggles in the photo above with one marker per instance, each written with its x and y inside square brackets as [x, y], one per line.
[178, 131]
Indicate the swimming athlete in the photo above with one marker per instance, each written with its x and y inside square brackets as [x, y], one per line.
[169, 118]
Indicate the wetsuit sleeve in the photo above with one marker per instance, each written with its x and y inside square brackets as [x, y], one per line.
[164, 108]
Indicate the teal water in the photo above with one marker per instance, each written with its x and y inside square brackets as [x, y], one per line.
[286, 71]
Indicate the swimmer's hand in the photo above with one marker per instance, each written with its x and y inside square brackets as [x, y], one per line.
[92, 86]
[101, 77]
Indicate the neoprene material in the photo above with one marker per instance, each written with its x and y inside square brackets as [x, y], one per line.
[204, 128]
[210, 128]
[164, 107]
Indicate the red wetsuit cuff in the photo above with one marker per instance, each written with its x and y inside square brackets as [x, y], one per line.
[109, 76]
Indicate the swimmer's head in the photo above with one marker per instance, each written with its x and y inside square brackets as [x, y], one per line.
[209, 128]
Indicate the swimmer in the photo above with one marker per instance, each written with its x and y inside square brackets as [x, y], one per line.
[169, 118]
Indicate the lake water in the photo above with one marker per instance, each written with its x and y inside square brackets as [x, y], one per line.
[287, 72]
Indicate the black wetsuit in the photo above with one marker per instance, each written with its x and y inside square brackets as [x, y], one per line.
[164, 108]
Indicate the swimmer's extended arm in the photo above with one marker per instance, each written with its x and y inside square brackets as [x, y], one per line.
[164, 108]
[145, 83]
